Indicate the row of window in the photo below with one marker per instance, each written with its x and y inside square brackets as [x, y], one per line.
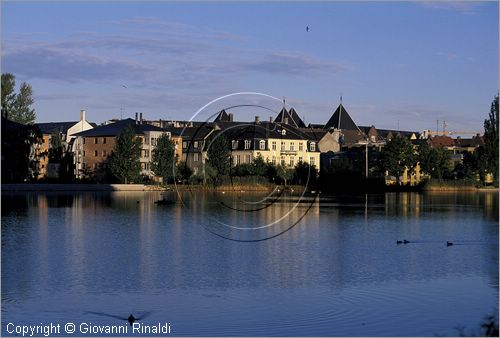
[262, 145]
[96, 140]
[248, 159]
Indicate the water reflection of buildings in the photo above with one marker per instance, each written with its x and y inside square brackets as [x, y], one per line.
[123, 241]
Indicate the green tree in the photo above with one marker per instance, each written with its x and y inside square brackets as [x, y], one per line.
[8, 94]
[305, 173]
[183, 172]
[259, 166]
[434, 161]
[219, 155]
[490, 153]
[56, 147]
[284, 173]
[398, 155]
[124, 161]
[163, 159]
[20, 160]
[17, 107]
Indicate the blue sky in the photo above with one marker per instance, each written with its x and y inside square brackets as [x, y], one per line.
[410, 63]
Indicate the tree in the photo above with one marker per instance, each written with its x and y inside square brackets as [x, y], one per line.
[56, 147]
[434, 161]
[284, 173]
[219, 155]
[259, 166]
[163, 160]
[182, 171]
[19, 158]
[490, 153]
[398, 155]
[305, 174]
[17, 107]
[124, 160]
[8, 95]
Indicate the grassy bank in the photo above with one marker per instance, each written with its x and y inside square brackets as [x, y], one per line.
[453, 185]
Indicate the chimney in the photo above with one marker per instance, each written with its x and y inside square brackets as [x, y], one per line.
[140, 118]
[136, 117]
[270, 119]
[82, 115]
[257, 119]
[230, 117]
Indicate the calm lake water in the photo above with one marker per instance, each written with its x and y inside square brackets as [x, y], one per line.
[331, 265]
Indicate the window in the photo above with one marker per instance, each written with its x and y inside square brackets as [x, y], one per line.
[283, 132]
[146, 140]
[184, 145]
[311, 161]
[235, 144]
[195, 144]
[274, 160]
[301, 146]
[301, 159]
[313, 146]
[84, 153]
[96, 140]
[249, 158]
[195, 157]
[262, 145]
[282, 145]
[103, 140]
[103, 153]
[95, 152]
[282, 160]
[292, 161]
[247, 144]
[273, 145]
[238, 159]
[292, 146]
[84, 140]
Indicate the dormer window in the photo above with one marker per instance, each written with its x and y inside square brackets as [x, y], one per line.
[234, 144]
[283, 131]
[313, 146]
[247, 144]
[262, 145]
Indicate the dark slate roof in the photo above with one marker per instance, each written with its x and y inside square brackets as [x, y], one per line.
[50, 127]
[341, 120]
[385, 132]
[223, 116]
[193, 133]
[293, 118]
[475, 141]
[113, 129]
[263, 130]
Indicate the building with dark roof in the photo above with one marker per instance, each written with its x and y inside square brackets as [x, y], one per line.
[93, 147]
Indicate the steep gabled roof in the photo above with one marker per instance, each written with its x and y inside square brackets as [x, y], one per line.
[341, 120]
[222, 116]
[113, 129]
[293, 118]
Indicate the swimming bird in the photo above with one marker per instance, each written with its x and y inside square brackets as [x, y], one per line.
[406, 242]
[448, 243]
[399, 242]
[131, 319]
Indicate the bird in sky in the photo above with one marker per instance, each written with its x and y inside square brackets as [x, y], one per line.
[307, 28]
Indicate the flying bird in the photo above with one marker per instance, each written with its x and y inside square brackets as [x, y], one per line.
[124, 86]
[307, 28]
